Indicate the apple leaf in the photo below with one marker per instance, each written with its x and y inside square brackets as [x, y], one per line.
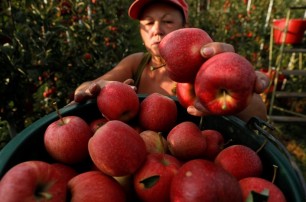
[258, 197]
[150, 181]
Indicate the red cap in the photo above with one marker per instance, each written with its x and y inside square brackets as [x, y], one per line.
[137, 6]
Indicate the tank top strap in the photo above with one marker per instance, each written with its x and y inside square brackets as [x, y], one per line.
[146, 58]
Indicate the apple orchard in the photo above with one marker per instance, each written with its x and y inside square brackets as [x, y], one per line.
[49, 47]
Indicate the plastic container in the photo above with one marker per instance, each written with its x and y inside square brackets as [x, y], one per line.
[295, 31]
[28, 145]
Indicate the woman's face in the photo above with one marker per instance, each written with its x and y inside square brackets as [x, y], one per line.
[156, 22]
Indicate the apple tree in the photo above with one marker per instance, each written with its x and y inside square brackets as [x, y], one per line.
[50, 47]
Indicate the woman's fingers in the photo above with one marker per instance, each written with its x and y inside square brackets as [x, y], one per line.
[198, 109]
[214, 48]
[131, 83]
[262, 82]
[211, 49]
[94, 89]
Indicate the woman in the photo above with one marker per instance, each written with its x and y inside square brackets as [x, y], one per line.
[146, 71]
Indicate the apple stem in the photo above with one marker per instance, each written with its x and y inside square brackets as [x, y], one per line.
[224, 100]
[58, 113]
[161, 142]
[45, 195]
[274, 173]
[201, 122]
[262, 146]
[228, 142]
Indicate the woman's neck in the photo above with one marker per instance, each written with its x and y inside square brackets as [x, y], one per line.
[156, 63]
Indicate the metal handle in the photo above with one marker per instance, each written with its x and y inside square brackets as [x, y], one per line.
[256, 123]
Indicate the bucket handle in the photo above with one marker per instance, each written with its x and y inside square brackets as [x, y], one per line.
[256, 123]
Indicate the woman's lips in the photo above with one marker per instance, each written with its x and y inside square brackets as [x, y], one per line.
[155, 43]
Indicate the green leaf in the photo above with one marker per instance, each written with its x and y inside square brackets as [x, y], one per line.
[150, 181]
[258, 197]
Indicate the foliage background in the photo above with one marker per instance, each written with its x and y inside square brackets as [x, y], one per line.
[49, 47]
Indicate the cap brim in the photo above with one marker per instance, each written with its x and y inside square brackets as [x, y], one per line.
[136, 7]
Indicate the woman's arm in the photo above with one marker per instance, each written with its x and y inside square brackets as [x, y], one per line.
[123, 72]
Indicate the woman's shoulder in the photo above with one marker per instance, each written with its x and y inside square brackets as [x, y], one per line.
[135, 56]
[132, 60]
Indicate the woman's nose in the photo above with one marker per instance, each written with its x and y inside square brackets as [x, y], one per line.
[157, 29]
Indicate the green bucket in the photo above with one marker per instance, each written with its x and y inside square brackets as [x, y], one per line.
[28, 145]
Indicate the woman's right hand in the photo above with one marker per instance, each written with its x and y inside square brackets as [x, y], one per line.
[83, 92]
[91, 89]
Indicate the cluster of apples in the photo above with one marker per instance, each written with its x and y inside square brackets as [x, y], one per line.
[223, 83]
[137, 151]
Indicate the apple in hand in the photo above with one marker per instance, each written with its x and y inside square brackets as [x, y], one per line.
[95, 186]
[66, 139]
[157, 112]
[181, 50]
[186, 142]
[261, 186]
[241, 161]
[152, 181]
[117, 149]
[155, 142]
[224, 84]
[33, 181]
[185, 94]
[202, 180]
[214, 142]
[118, 101]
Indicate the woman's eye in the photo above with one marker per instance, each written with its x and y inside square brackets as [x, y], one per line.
[148, 23]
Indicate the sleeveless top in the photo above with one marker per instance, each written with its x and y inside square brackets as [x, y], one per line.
[144, 61]
[137, 76]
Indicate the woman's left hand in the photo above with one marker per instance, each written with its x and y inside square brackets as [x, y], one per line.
[211, 49]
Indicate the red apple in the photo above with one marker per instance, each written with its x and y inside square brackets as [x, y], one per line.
[152, 181]
[66, 139]
[224, 84]
[33, 181]
[118, 101]
[214, 142]
[241, 161]
[185, 94]
[97, 123]
[66, 172]
[261, 185]
[95, 186]
[117, 149]
[155, 142]
[157, 112]
[181, 50]
[202, 180]
[186, 142]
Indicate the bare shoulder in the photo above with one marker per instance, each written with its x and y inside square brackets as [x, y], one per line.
[132, 60]
[125, 68]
